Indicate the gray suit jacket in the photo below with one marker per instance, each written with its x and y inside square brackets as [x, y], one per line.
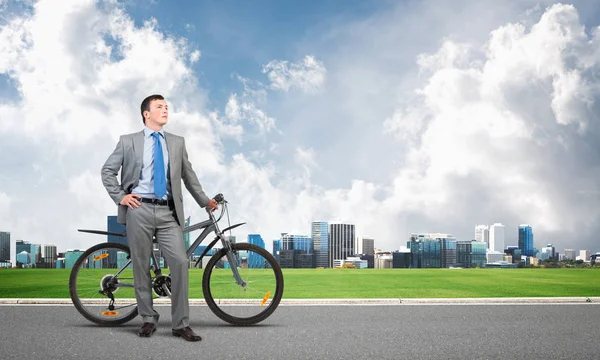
[127, 157]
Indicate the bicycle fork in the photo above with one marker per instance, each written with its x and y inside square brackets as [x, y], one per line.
[232, 259]
[234, 266]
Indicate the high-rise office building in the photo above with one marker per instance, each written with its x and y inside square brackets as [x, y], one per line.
[50, 255]
[482, 234]
[366, 246]
[584, 255]
[382, 260]
[23, 258]
[122, 259]
[400, 259]
[6, 257]
[432, 250]
[562, 257]
[114, 227]
[548, 253]
[320, 237]
[526, 240]
[287, 242]
[497, 237]
[276, 247]
[463, 253]
[478, 251]
[23, 246]
[285, 258]
[256, 261]
[297, 242]
[256, 239]
[570, 254]
[294, 251]
[71, 257]
[4, 246]
[36, 253]
[341, 242]
[515, 253]
[447, 252]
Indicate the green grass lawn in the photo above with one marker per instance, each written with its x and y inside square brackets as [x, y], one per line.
[361, 283]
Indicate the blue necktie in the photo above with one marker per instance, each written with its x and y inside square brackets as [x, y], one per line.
[160, 182]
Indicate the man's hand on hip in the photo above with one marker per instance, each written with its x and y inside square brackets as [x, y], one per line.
[131, 201]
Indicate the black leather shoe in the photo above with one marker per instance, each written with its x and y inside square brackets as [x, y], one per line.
[147, 330]
[187, 334]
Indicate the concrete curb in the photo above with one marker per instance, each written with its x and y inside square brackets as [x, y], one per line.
[391, 301]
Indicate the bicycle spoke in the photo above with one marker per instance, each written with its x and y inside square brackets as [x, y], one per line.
[243, 304]
[97, 291]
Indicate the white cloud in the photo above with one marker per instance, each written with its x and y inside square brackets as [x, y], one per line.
[490, 128]
[195, 56]
[232, 109]
[81, 70]
[63, 65]
[306, 159]
[227, 127]
[189, 27]
[237, 110]
[246, 108]
[308, 74]
[477, 118]
[85, 184]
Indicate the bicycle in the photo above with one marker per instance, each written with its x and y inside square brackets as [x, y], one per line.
[238, 277]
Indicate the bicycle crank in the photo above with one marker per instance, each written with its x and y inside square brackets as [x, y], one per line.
[161, 286]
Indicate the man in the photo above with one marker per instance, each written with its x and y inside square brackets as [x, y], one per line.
[150, 202]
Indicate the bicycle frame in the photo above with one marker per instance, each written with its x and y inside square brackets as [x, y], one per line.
[208, 226]
[212, 225]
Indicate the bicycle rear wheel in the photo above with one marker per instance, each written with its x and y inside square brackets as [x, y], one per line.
[237, 304]
[98, 277]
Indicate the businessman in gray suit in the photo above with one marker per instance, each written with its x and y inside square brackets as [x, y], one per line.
[153, 163]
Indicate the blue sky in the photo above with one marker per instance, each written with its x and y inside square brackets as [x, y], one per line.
[239, 37]
[400, 117]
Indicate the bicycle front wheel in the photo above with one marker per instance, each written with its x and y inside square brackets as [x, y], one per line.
[101, 285]
[254, 300]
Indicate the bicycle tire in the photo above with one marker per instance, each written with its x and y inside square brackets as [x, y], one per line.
[73, 290]
[243, 321]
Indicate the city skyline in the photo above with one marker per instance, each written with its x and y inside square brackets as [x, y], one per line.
[113, 226]
[339, 244]
[397, 117]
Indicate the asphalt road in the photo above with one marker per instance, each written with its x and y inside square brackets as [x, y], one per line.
[317, 332]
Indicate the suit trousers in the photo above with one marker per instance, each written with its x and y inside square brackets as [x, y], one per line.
[143, 223]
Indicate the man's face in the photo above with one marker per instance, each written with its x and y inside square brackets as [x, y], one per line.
[158, 114]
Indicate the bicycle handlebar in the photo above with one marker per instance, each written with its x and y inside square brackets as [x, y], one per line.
[219, 198]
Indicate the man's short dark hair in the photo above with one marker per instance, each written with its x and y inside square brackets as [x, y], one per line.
[146, 104]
